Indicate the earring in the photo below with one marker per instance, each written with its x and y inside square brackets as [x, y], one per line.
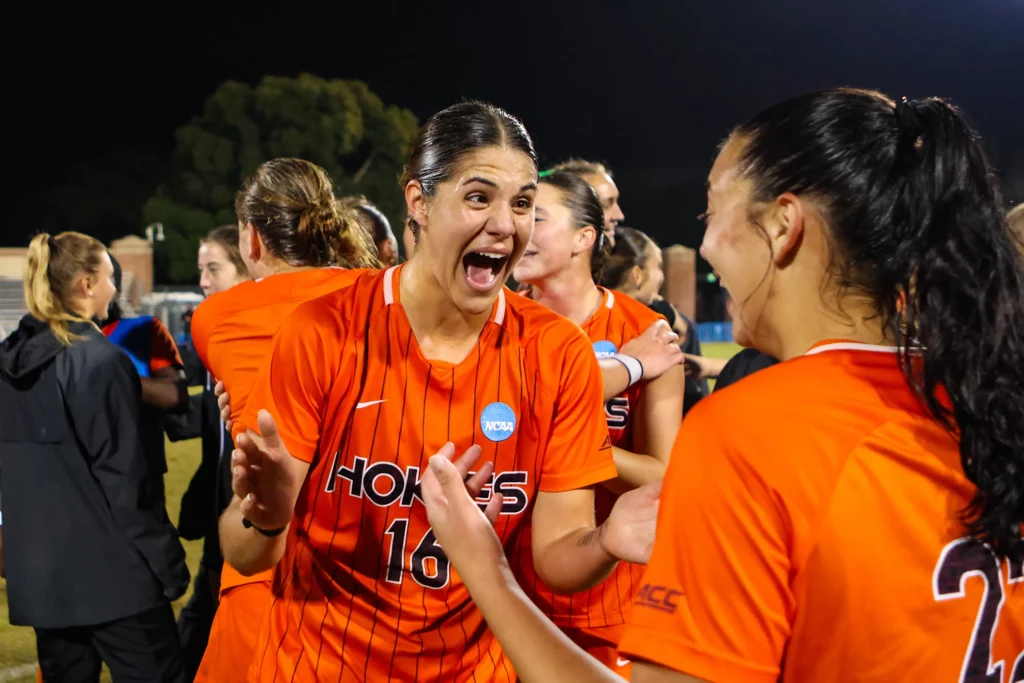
[90, 295]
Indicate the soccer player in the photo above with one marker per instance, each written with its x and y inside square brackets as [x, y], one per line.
[599, 178]
[635, 268]
[293, 237]
[220, 268]
[92, 561]
[151, 348]
[862, 521]
[365, 384]
[561, 263]
[376, 224]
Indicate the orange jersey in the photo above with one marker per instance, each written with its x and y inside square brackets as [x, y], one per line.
[619, 319]
[234, 633]
[364, 592]
[232, 330]
[231, 333]
[808, 531]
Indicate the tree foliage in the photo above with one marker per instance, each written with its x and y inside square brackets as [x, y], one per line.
[340, 125]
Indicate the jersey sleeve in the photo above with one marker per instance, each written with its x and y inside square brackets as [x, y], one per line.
[203, 321]
[579, 451]
[294, 383]
[164, 352]
[715, 600]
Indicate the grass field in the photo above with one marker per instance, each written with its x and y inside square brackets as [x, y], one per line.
[720, 350]
[17, 645]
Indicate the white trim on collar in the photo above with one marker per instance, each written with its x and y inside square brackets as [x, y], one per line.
[499, 315]
[389, 295]
[389, 286]
[852, 346]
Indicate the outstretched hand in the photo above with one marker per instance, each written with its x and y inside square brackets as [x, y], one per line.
[464, 531]
[262, 478]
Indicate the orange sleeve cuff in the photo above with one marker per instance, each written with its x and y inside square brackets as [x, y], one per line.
[659, 647]
[298, 447]
[230, 578]
[570, 481]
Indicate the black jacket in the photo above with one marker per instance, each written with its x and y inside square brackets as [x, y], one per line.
[85, 540]
[209, 491]
[693, 389]
[743, 364]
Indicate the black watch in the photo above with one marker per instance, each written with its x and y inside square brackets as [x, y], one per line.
[266, 532]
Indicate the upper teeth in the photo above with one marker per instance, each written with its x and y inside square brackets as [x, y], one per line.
[493, 256]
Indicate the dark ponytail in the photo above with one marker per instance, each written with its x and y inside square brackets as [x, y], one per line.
[918, 226]
[291, 204]
[584, 204]
[630, 251]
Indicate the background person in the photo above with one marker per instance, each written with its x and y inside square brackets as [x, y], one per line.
[565, 256]
[92, 561]
[151, 348]
[376, 224]
[635, 268]
[296, 240]
[220, 268]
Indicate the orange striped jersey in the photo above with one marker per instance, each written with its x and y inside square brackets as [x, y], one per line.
[231, 333]
[364, 592]
[619, 319]
[816, 538]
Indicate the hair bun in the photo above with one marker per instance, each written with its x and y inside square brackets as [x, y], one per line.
[318, 227]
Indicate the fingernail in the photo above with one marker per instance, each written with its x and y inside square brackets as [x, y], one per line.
[248, 498]
[437, 463]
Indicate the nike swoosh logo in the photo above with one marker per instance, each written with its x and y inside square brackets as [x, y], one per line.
[369, 403]
[621, 662]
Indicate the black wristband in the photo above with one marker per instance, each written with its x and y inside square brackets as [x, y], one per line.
[270, 533]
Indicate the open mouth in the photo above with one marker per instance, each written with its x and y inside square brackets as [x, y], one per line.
[483, 269]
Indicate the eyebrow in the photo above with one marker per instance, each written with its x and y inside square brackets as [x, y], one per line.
[491, 183]
[484, 181]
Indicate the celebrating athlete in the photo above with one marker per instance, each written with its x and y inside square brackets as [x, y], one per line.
[364, 385]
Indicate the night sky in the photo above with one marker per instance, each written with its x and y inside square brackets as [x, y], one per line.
[648, 87]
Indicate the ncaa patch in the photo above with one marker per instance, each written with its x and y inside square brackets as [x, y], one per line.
[497, 421]
[604, 349]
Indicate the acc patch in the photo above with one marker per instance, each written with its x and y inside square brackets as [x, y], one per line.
[497, 421]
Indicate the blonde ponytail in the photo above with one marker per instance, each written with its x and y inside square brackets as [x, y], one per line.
[53, 265]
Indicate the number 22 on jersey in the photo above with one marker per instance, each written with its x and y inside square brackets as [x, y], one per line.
[960, 560]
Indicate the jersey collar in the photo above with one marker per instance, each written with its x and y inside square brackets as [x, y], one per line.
[827, 345]
[391, 294]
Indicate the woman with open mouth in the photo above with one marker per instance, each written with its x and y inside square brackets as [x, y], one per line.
[561, 264]
[364, 385]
